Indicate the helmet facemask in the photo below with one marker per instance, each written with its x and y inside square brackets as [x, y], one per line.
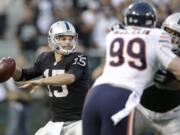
[61, 47]
[172, 26]
[175, 37]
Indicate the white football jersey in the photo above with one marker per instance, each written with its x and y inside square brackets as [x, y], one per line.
[133, 55]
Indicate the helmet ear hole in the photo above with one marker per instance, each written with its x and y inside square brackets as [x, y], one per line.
[140, 14]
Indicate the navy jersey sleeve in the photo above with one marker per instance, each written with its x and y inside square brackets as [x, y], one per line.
[34, 71]
[78, 65]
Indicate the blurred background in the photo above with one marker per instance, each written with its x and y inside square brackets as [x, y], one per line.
[24, 26]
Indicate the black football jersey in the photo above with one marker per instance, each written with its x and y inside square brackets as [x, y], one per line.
[160, 100]
[67, 100]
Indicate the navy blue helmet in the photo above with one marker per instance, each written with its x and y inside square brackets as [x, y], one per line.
[141, 14]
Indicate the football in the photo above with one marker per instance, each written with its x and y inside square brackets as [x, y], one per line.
[7, 68]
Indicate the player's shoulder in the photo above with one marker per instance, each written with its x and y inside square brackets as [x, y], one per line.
[76, 54]
[134, 30]
[161, 36]
[113, 34]
[156, 36]
[158, 32]
[116, 31]
[77, 58]
[46, 55]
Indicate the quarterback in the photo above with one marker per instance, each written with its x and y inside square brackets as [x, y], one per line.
[65, 72]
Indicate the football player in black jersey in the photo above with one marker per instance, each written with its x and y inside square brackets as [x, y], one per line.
[160, 103]
[65, 72]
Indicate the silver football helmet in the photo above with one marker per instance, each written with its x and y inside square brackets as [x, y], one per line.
[172, 26]
[58, 29]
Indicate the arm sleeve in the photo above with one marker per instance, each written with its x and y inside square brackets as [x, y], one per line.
[32, 72]
[78, 66]
[164, 50]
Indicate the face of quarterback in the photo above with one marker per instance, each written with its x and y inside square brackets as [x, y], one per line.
[65, 42]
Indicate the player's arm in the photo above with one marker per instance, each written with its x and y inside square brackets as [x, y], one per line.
[166, 57]
[174, 67]
[22, 74]
[63, 79]
[169, 60]
[75, 72]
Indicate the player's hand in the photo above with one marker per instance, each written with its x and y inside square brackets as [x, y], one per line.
[29, 84]
[160, 76]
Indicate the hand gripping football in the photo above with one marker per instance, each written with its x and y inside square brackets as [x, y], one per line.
[7, 68]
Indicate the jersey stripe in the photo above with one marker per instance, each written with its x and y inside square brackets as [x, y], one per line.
[130, 126]
[164, 41]
[164, 38]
